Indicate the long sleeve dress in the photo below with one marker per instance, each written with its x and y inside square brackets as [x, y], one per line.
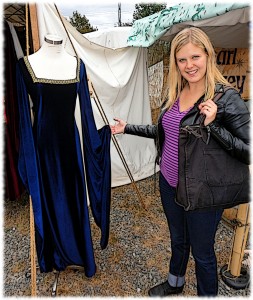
[51, 166]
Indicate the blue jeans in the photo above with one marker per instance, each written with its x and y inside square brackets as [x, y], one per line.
[193, 230]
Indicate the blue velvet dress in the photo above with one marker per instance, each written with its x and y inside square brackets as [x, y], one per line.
[51, 167]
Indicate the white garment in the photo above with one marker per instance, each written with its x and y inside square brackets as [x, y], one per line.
[52, 61]
[17, 46]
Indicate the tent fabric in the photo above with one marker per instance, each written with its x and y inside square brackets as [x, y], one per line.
[119, 77]
[233, 18]
[114, 38]
[18, 48]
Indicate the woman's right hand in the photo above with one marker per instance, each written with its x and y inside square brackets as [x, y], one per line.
[119, 127]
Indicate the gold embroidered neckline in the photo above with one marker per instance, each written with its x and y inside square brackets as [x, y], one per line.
[52, 81]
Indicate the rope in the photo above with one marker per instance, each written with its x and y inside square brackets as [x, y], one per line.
[65, 29]
[32, 230]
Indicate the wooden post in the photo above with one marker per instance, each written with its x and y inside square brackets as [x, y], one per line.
[31, 9]
[233, 274]
[241, 235]
[32, 251]
[34, 27]
[230, 213]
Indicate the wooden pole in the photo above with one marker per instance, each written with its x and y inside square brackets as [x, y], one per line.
[240, 239]
[104, 117]
[229, 214]
[34, 27]
[116, 144]
[32, 251]
[31, 10]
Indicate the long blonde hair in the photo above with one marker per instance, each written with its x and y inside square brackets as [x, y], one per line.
[175, 80]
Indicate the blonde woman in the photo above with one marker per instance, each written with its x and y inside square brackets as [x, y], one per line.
[193, 82]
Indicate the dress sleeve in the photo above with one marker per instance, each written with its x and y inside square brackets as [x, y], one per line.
[27, 162]
[96, 145]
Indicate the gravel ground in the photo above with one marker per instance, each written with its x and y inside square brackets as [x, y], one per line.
[136, 258]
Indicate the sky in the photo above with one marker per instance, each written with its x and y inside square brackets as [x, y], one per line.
[103, 14]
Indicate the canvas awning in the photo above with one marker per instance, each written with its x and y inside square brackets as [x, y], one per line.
[226, 24]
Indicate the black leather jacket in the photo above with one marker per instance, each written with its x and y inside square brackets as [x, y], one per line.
[208, 176]
[231, 128]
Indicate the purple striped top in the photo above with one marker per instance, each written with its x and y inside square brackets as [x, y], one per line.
[169, 159]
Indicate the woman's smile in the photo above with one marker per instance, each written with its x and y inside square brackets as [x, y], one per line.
[192, 63]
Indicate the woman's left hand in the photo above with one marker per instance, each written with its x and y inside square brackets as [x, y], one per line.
[208, 108]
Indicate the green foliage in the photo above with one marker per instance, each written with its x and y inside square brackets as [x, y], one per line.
[146, 9]
[81, 23]
[127, 24]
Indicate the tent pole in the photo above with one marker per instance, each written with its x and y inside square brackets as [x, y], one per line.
[103, 115]
[32, 251]
[65, 30]
[32, 227]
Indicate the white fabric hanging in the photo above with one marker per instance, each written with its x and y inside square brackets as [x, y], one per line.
[17, 46]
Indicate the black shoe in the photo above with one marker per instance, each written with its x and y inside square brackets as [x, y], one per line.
[164, 289]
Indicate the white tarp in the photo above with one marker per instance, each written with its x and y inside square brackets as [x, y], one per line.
[119, 77]
[114, 38]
